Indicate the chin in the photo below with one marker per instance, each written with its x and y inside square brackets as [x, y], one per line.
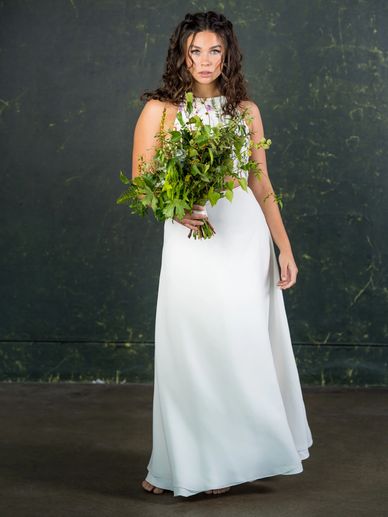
[205, 80]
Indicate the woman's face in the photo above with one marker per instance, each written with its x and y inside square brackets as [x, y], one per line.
[204, 56]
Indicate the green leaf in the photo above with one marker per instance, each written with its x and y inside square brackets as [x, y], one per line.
[123, 178]
[168, 211]
[179, 116]
[243, 183]
[189, 101]
[194, 170]
[190, 164]
[123, 198]
[202, 140]
[166, 186]
[229, 194]
[213, 196]
[278, 199]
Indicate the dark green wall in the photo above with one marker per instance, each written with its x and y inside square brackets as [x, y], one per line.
[79, 273]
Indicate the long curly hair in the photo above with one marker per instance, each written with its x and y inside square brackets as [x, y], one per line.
[177, 79]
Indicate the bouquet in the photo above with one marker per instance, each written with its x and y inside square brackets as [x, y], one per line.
[190, 166]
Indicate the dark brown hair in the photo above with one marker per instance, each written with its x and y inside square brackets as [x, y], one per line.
[177, 80]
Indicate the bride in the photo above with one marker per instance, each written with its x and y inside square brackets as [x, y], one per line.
[227, 406]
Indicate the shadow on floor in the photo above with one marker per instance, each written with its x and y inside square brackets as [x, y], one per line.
[81, 450]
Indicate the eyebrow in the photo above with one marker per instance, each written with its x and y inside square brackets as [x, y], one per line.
[196, 46]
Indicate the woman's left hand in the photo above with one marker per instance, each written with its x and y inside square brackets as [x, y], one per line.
[288, 270]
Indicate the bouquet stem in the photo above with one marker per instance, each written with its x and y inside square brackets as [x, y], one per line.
[205, 230]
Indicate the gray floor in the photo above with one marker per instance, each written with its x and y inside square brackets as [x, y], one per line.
[81, 450]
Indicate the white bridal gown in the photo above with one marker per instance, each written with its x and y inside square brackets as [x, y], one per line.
[227, 403]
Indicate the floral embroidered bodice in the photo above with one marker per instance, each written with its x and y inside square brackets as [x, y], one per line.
[210, 111]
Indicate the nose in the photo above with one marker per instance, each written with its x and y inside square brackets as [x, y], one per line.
[205, 60]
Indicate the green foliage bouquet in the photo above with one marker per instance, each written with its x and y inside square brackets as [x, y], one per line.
[190, 166]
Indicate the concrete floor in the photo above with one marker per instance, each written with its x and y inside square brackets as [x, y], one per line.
[80, 450]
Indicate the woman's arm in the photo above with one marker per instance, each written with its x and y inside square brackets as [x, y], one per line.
[144, 137]
[145, 144]
[261, 188]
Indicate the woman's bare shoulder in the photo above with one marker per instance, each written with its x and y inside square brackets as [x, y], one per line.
[251, 107]
[253, 116]
[153, 110]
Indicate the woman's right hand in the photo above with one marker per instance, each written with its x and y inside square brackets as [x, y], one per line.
[193, 219]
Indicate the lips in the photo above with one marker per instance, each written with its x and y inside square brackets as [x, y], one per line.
[205, 73]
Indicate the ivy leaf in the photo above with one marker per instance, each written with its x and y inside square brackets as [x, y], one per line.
[213, 196]
[168, 211]
[243, 183]
[176, 207]
[229, 194]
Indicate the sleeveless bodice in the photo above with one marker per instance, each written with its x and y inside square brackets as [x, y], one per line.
[210, 111]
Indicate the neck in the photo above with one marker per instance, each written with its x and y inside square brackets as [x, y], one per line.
[205, 91]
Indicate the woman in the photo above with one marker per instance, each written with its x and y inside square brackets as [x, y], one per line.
[227, 406]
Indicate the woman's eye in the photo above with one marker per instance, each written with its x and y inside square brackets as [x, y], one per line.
[214, 51]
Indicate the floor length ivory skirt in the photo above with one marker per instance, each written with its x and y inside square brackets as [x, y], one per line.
[227, 404]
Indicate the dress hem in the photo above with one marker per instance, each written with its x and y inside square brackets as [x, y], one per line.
[165, 484]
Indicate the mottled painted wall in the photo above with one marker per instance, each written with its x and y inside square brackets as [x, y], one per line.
[79, 274]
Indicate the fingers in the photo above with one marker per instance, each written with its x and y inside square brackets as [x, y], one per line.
[285, 275]
[190, 222]
[193, 219]
[288, 276]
